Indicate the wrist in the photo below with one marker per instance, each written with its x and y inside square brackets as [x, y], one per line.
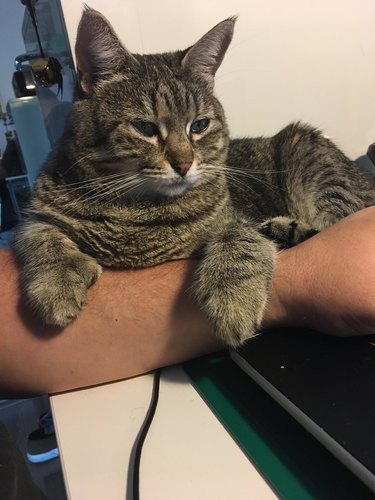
[286, 295]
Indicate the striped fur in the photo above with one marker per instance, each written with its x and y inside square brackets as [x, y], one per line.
[112, 195]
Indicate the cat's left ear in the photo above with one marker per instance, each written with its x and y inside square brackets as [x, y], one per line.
[205, 56]
[99, 52]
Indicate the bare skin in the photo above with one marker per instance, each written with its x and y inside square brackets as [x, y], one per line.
[133, 322]
[136, 321]
[327, 283]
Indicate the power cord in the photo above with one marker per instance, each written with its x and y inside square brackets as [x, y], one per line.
[145, 427]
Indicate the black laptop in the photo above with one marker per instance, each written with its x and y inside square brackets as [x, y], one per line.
[326, 383]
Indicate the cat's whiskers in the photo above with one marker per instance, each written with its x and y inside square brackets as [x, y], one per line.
[235, 174]
[119, 186]
[113, 186]
[93, 188]
[124, 188]
[215, 170]
[80, 160]
[106, 154]
[76, 186]
[229, 175]
[140, 194]
[236, 178]
[93, 194]
[256, 171]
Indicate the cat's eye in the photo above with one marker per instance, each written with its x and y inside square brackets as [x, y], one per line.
[148, 129]
[199, 125]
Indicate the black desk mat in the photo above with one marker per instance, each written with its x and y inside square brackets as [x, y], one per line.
[292, 461]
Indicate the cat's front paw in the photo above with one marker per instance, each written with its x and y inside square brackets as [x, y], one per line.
[57, 294]
[232, 284]
[236, 317]
[286, 232]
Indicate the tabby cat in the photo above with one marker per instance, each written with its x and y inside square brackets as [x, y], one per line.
[145, 173]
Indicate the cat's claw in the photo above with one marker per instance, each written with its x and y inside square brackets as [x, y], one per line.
[286, 232]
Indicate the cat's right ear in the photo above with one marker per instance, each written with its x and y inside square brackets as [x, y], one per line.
[99, 52]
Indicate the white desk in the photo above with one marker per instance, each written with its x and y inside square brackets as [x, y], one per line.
[187, 454]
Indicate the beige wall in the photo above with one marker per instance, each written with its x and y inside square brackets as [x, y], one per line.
[312, 60]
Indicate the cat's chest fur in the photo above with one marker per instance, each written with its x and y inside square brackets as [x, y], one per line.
[133, 235]
[135, 241]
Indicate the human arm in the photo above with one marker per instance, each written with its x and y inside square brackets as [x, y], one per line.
[327, 283]
[136, 321]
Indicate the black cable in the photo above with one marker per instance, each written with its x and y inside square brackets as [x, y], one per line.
[30, 4]
[146, 425]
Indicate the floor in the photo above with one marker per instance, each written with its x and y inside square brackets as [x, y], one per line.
[20, 416]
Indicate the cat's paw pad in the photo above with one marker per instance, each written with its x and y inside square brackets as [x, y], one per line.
[58, 294]
[286, 232]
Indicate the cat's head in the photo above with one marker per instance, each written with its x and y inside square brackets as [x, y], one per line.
[157, 120]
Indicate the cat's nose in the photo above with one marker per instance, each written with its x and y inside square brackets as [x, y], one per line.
[181, 168]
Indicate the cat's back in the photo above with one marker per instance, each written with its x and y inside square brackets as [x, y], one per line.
[283, 175]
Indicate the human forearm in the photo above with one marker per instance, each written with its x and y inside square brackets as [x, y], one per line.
[327, 283]
[134, 321]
